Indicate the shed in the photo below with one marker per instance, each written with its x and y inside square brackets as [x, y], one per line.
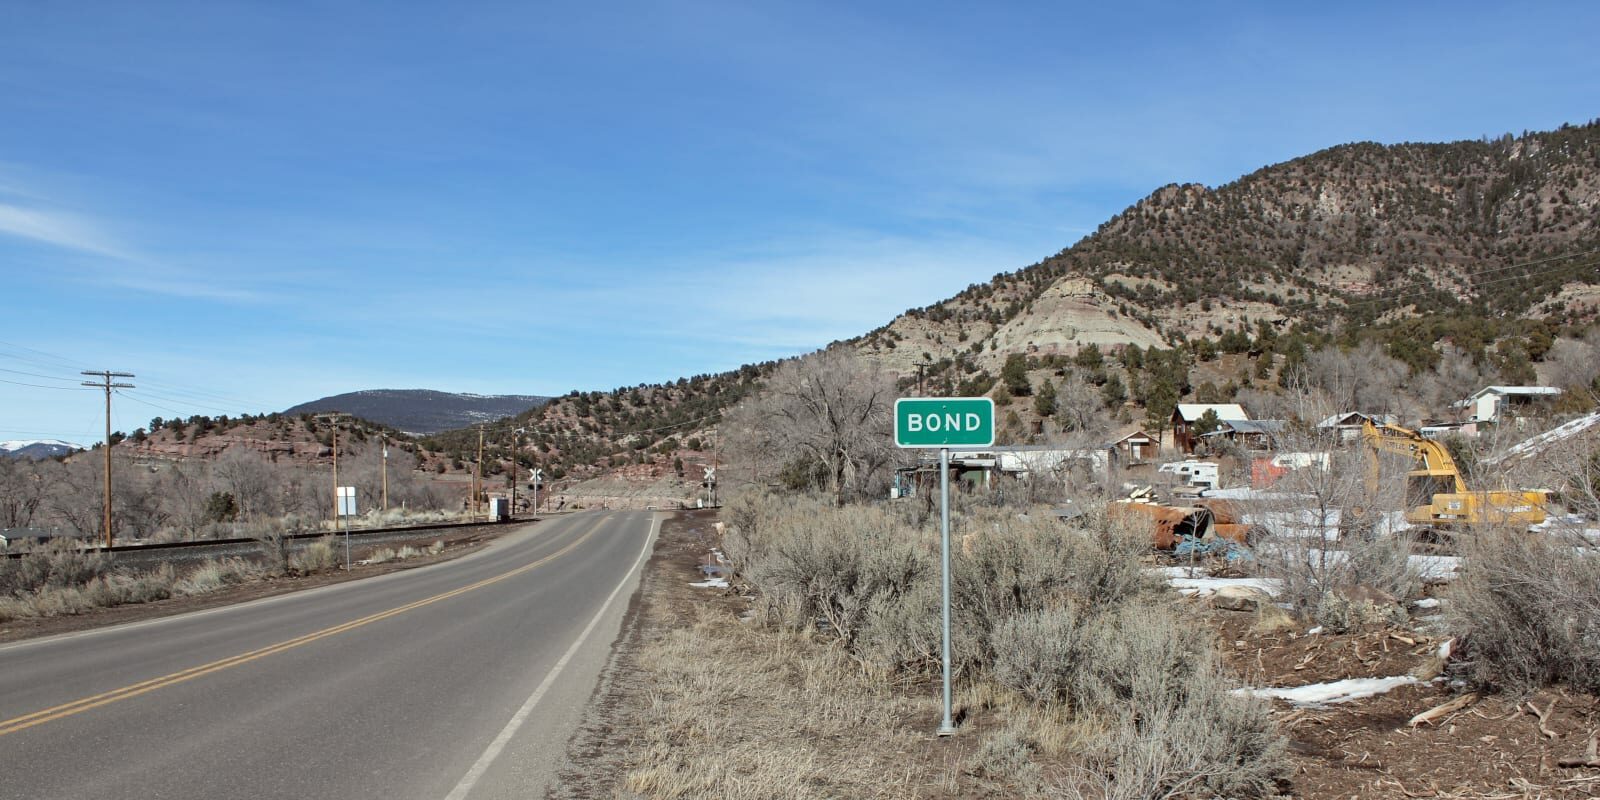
[1135, 447]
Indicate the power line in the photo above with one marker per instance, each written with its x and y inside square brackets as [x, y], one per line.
[180, 400]
[62, 361]
[141, 401]
[38, 375]
[42, 386]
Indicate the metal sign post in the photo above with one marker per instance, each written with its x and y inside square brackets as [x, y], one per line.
[922, 422]
[347, 508]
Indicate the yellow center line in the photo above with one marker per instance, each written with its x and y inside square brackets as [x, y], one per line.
[134, 690]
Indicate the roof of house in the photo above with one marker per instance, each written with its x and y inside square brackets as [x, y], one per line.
[1137, 432]
[1227, 412]
[1358, 417]
[1516, 390]
[1257, 425]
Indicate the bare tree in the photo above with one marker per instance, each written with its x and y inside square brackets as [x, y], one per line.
[186, 486]
[1334, 521]
[73, 493]
[21, 492]
[137, 503]
[1574, 364]
[1454, 378]
[1360, 379]
[245, 473]
[826, 418]
[1080, 411]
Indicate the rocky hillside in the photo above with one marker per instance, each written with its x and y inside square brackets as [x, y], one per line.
[1351, 237]
[1491, 246]
[421, 411]
[650, 428]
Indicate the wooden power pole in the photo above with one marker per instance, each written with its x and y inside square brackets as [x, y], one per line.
[477, 474]
[335, 417]
[386, 472]
[105, 383]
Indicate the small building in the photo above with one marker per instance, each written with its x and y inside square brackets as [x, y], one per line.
[1250, 434]
[1493, 404]
[1135, 447]
[23, 537]
[1186, 415]
[1346, 427]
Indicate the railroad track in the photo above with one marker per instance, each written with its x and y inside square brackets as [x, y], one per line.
[171, 552]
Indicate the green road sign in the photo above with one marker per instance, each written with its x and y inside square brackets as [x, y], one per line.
[944, 422]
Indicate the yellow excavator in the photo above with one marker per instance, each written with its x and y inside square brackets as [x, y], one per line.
[1448, 503]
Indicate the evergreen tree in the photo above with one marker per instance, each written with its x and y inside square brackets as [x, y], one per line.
[1044, 400]
[1014, 375]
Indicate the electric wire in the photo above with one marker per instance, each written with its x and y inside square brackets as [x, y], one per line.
[42, 386]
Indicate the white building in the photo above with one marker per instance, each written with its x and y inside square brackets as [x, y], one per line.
[1491, 403]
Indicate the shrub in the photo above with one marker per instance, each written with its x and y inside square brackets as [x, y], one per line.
[57, 563]
[212, 575]
[1527, 612]
[1210, 743]
[1340, 583]
[323, 554]
[1007, 758]
[1059, 613]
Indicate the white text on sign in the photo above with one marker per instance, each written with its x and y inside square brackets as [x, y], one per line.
[934, 423]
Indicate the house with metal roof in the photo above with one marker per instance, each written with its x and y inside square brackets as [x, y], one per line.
[1185, 415]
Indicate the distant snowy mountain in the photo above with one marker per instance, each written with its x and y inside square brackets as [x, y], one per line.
[36, 449]
[422, 411]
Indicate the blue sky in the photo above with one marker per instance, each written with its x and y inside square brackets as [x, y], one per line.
[253, 205]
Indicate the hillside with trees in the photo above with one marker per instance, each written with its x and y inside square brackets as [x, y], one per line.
[1489, 246]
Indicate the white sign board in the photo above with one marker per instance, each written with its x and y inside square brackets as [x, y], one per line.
[347, 501]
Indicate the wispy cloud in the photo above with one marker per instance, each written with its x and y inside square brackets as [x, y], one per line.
[118, 264]
[61, 230]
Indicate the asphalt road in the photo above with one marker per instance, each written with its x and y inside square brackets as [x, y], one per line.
[459, 680]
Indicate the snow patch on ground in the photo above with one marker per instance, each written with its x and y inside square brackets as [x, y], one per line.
[1322, 694]
[711, 583]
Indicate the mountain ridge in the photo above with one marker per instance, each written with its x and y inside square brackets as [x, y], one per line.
[421, 412]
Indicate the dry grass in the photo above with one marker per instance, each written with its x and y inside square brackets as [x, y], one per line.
[52, 591]
[744, 712]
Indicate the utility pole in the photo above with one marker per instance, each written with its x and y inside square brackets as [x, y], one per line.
[477, 473]
[516, 453]
[105, 383]
[386, 472]
[335, 417]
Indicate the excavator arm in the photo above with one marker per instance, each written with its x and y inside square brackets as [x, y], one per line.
[1437, 483]
[1432, 458]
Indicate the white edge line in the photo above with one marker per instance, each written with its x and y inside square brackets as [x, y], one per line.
[492, 752]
